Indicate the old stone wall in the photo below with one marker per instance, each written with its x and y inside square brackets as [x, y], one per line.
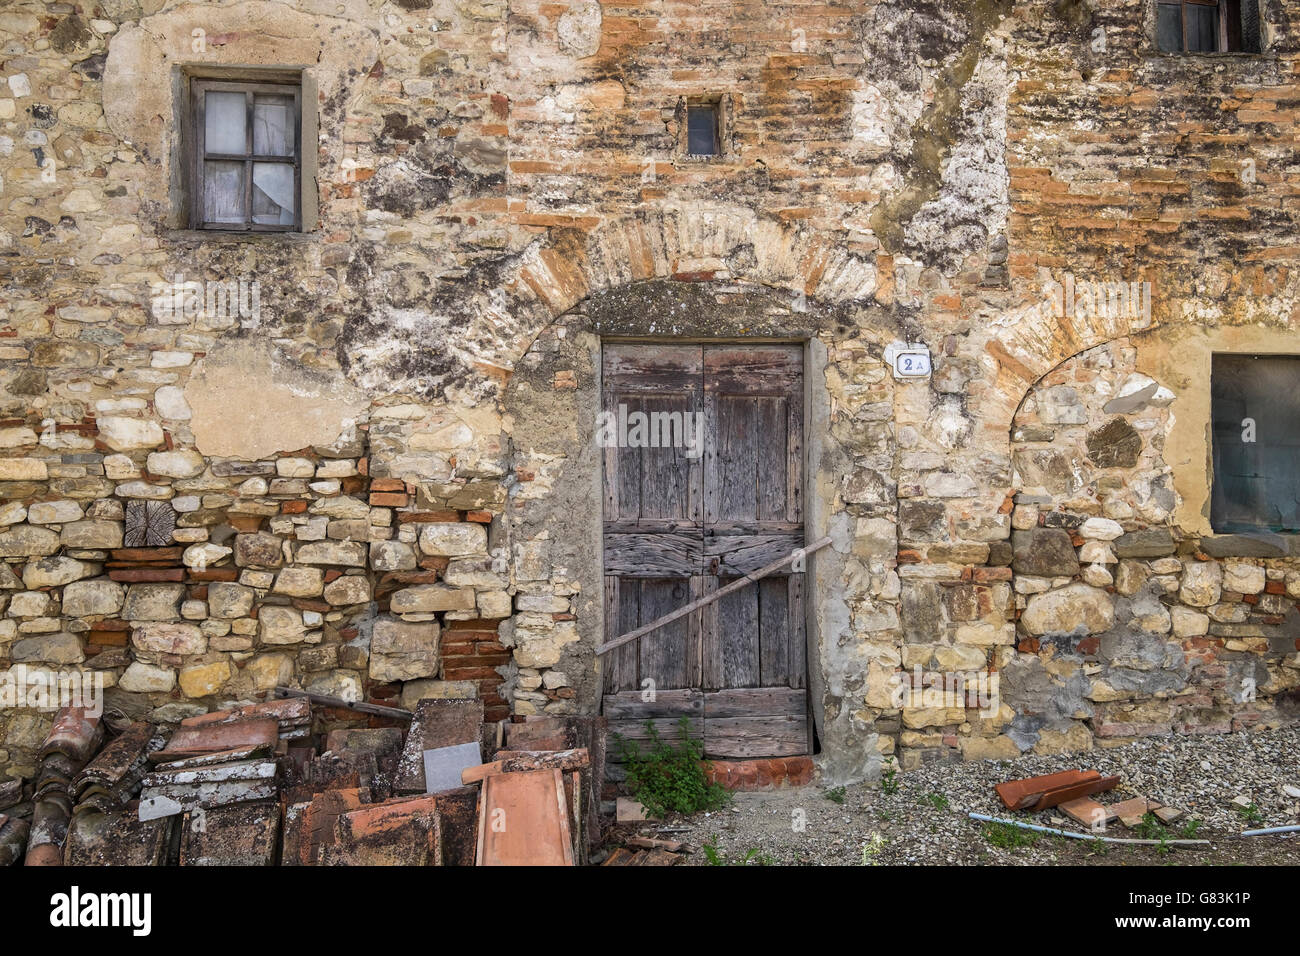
[380, 471]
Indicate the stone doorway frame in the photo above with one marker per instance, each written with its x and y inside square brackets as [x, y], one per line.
[554, 516]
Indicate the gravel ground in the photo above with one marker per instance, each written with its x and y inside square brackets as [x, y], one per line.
[924, 820]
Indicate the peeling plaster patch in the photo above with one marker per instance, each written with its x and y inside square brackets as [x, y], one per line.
[972, 205]
[579, 29]
[930, 64]
[872, 121]
[247, 406]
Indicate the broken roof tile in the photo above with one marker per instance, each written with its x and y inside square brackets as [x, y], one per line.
[116, 839]
[195, 741]
[400, 832]
[437, 723]
[75, 734]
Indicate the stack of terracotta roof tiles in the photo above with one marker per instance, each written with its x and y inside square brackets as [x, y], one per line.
[112, 779]
[366, 800]
[538, 799]
[73, 740]
[246, 786]
[13, 827]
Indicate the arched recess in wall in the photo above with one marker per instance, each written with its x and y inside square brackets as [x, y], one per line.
[1028, 343]
[1091, 436]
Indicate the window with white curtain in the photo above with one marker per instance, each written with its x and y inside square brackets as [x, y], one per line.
[246, 156]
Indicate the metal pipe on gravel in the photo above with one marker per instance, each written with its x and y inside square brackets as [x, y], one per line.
[1085, 836]
[1293, 828]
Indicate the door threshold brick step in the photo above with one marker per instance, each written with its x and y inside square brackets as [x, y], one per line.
[767, 773]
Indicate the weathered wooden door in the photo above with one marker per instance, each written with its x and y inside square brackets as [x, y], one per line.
[703, 484]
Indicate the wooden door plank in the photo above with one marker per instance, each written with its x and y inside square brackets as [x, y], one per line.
[772, 491]
[652, 367]
[623, 597]
[711, 675]
[741, 738]
[754, 369]
[677, 554]
[653, 526]
[712, 488]
[668, 729]
[668, 704]
[738, 626]
[737, 462]
[695, 621]
[794, 449]
[741, 554]
[754, 702]
[798, 631]
[774, 632]
[665, 657]
[669, 464]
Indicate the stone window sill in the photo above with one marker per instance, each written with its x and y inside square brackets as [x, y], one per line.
[1260, 545]
[1160, 55]
[191, 236]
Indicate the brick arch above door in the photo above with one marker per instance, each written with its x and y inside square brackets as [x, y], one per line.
[553, 520]
[692, 242]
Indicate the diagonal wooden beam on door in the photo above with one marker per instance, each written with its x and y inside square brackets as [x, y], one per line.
[709, 599]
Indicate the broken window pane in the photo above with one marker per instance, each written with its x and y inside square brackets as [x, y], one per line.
[240, 122]
[1169, 28]
[273, 199]
[223, 192]
[1250, 33]
[1256, 443]
[1202, 28]
[224, 115]
[702, 130]
[273, 125]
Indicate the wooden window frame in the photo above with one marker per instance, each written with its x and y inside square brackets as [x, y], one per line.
[197, 155]
[1222, 38]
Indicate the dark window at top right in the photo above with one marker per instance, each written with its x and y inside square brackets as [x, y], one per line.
[1207, 26]
[1255, 407]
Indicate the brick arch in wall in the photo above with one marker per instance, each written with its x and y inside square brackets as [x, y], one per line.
[684, 241]
[1026, 345]
[550, 521]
